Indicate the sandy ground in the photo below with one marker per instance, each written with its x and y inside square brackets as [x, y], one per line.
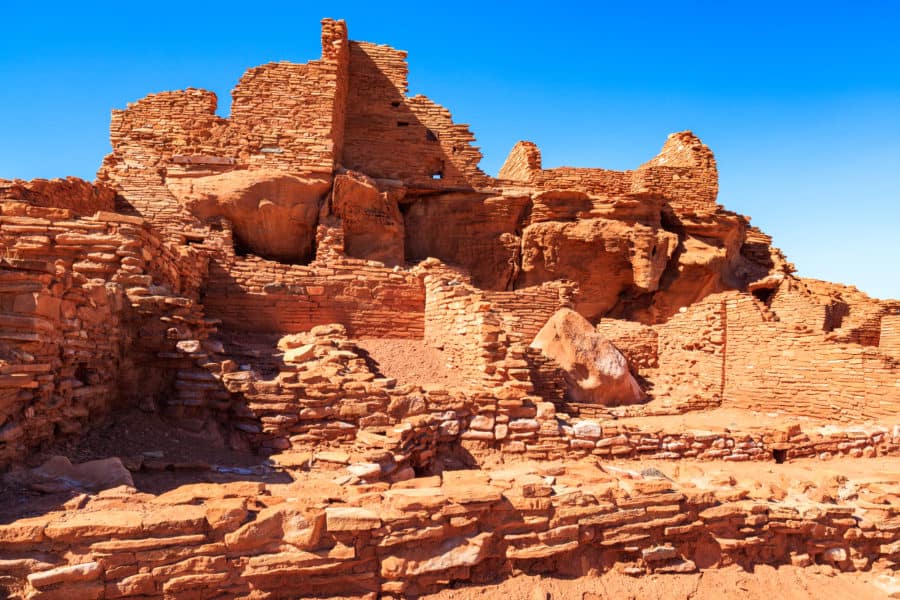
[137, 436]
[410, 361]
[732, 583]
[730, 419]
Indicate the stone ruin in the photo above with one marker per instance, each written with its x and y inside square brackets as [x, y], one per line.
[236, 278]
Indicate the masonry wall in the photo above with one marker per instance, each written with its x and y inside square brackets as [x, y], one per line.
[595, 181]
[244, 538]
[254, 294]
[284, 116]
[524, 311]
[684, 173]
[72, 299]
[801, 312]
[460, 321]
[388, 135]
[802, 373]
[637, 342]
[691, 371]
[890, 336]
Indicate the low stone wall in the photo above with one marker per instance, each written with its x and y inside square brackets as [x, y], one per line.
[258, 295]
[316, 538]
[611, 440]
[802, 374]
[71, 193]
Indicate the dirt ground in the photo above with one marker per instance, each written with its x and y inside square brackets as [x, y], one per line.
[166, 457]
[729, 419]
[732, 583]
[410, 361]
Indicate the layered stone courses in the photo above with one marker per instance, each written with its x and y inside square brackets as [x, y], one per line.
[313, 537]
[221, 272]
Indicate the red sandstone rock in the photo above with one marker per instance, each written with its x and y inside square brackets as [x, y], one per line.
[58, 475]
[596, 371]
[371, 219]
[273, 213]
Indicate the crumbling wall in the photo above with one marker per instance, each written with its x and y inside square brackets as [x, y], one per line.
[284, 116]
[388, 135]
[691, 359]
[76, 195]
[524, 311]
[460, 321]
[770, 368]
[254, 294]
[404, 540]
[71, 294]
[524, 165]
[799, 311]
[684, 172]
[637, 342]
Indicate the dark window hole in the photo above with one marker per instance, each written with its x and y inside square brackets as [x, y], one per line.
[241, 248]
[82, 373]
[395, 103]
[779, 455]
[764, 294]
[402, 124]
[430, 136]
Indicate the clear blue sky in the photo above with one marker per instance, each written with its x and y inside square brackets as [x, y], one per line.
[800, 101]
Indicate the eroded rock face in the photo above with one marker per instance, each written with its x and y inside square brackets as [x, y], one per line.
[596, 372]
[474, 231]
[273, 213]
[71, 193]
[603, 256]
[373, 225]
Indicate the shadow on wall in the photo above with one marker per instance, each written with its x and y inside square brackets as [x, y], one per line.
[383, 136]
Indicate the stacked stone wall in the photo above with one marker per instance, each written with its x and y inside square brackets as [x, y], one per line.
[407, 539]
[802, 373]
[73, 295]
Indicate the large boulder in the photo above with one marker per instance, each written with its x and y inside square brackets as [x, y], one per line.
[595, 371]
[274, 214]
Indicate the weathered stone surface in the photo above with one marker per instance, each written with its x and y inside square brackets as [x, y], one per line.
[70, 573]
[92, 525]
[58, 474]
[596, 372]
[351, 518]
[274, 214]
[605, 257]
[454, 552]
[373, 225]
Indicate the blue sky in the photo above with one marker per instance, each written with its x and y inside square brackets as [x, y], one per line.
[800, 101]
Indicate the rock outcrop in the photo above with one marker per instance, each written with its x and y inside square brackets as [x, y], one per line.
[596, 372]
[371, 219]
[272, 213]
